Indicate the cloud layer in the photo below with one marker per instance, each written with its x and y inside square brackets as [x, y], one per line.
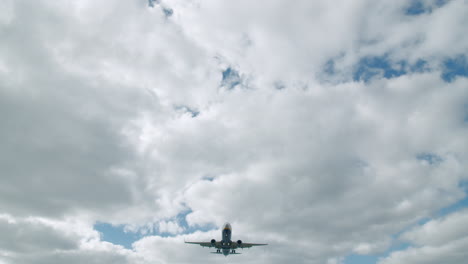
[325, 129]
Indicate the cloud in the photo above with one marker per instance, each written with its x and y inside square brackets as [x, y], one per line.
[31, 235]
[61, 138]
[310, 178]
[42, 240]
[322, 128]
[440, 240]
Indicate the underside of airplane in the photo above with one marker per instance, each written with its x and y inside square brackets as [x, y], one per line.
[226, 246]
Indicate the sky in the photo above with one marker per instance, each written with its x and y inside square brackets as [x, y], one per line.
[334, 131]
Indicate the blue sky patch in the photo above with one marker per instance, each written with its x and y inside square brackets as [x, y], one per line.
[375, 66]
[152, 3]
[208, 178]
[415, 8]
[459, 205]
[463, 203]
[360, 259]
[193, 112]
[116, 234]
[231, 78]
[440, 3]
[378, 67]
[167, 11]
[418, 7]
[431, 158]
[420, 66]
[454, 67]
[370, 67]
[463, 185]
[329, 67]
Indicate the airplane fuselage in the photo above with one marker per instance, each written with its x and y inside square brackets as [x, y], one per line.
[226, 246]
[226, 239]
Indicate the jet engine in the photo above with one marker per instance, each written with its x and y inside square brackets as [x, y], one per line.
[213, 242]
[239, 242]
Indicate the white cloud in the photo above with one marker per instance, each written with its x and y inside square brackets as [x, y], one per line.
[97, 103]
[41, 240]
[170, 227]
[439, 232]
[441, 240]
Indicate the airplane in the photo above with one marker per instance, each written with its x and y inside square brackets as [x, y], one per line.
[226, 245]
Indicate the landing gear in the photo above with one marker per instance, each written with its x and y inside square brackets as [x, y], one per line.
[233, 251]
[218, 251]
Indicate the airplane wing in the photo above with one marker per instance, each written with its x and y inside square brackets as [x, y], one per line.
[206, 244]
[246, 245]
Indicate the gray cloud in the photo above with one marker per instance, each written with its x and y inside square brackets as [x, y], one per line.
[32, 236]
[111, 112]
